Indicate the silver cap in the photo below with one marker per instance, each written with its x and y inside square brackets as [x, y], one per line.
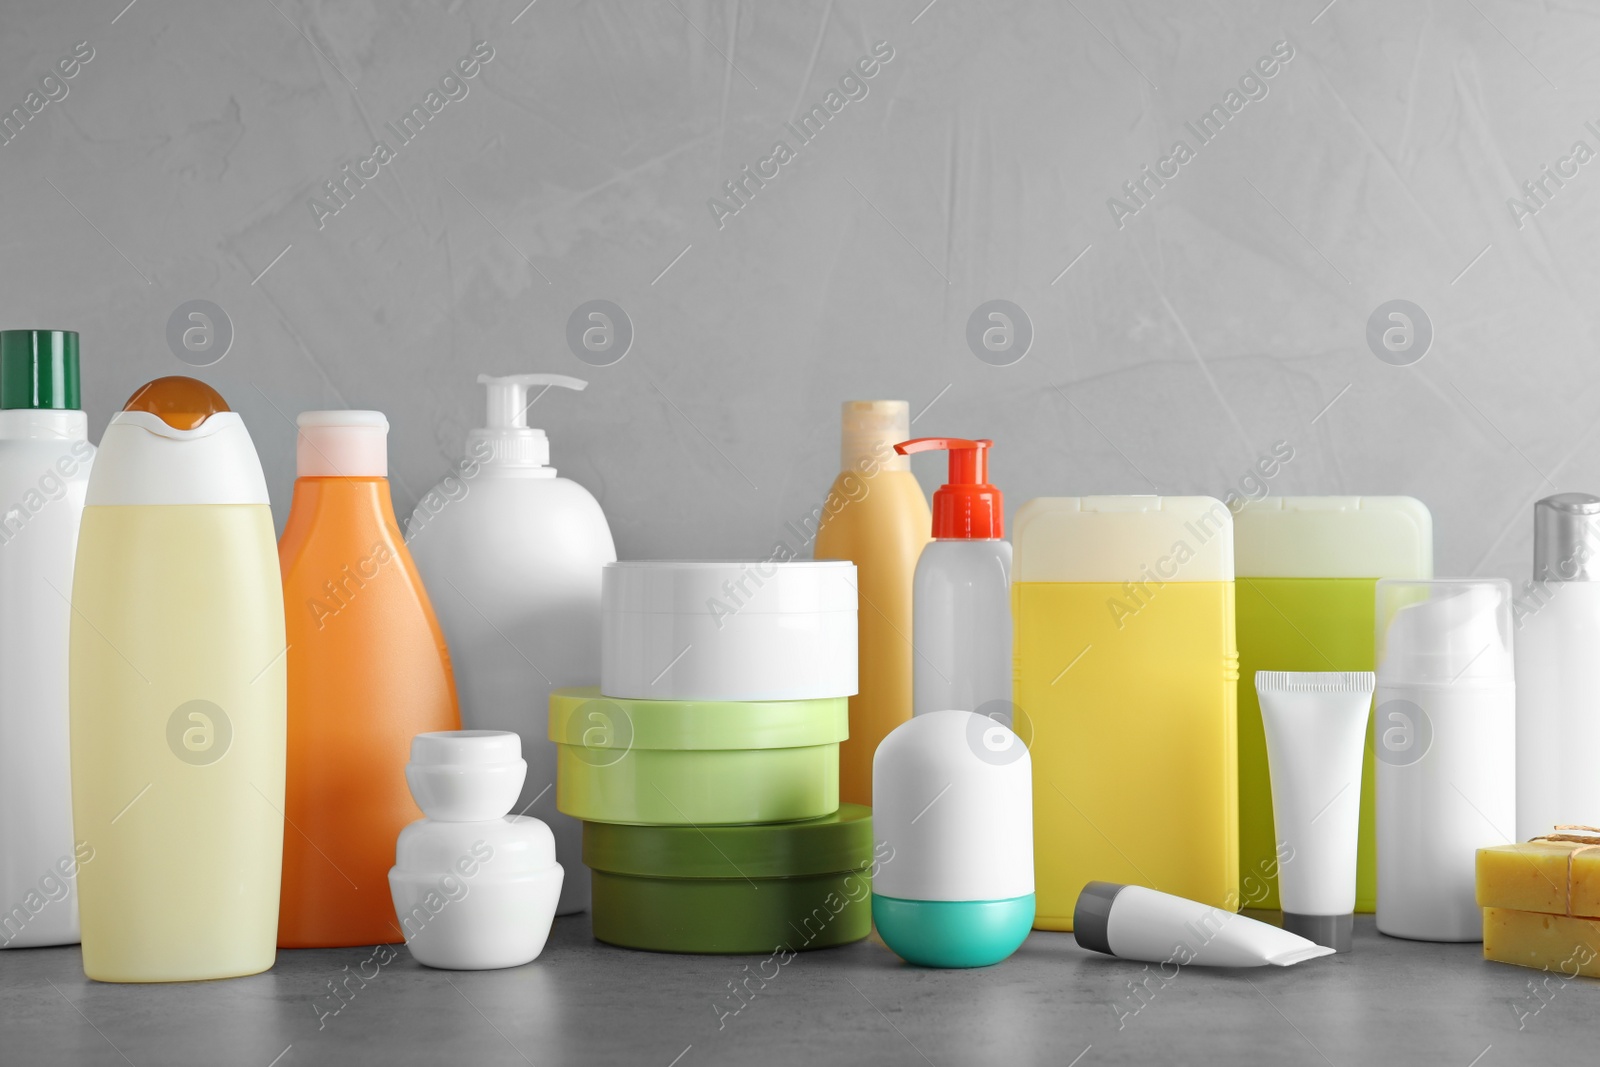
[1566, 538]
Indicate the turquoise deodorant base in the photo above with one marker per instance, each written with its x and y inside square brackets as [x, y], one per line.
[953, 933]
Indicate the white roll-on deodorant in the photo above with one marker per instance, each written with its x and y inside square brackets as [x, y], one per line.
[953, 818]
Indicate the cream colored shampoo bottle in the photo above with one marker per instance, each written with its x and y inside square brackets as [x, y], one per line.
[877, 517]
[177, 694]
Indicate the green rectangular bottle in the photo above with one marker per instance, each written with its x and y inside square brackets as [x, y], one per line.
[1307, 570]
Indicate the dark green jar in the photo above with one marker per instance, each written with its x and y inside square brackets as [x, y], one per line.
[741, 890]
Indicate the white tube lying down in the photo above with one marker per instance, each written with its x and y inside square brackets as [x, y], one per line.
[1135, 923]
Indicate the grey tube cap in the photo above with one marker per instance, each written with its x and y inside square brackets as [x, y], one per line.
[1091, 916]
[1329, 931]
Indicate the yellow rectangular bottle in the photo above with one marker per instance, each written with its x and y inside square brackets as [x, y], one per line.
[1125, 690]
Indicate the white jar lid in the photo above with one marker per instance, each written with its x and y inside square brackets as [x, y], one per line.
[466, 748]
[709, 587]
[734, 630]
[461, 776]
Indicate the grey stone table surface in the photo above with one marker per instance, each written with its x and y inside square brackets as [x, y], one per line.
[582, 1002]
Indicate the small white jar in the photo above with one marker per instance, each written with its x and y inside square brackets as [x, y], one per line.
[734, 630]
[474, 888]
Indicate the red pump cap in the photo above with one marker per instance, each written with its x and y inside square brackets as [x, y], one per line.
[966, 507]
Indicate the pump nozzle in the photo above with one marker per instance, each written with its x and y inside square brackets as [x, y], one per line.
[512, 443]
[966, 506]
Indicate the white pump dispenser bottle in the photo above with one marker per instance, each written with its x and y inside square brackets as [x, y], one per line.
[511, 555]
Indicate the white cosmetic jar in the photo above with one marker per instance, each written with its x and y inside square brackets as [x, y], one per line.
[728, 630]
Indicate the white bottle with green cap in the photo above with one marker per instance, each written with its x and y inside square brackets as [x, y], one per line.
[45, 456]
[511, 555]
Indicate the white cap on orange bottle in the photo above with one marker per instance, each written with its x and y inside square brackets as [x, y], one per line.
[342, 444]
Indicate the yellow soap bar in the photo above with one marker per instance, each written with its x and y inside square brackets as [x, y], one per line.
[1556, 943]
[1554, 877]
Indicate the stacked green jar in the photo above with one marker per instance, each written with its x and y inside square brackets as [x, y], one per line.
[710, 803]
[696, 762]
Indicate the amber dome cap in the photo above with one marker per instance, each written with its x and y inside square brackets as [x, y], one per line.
[180, 402]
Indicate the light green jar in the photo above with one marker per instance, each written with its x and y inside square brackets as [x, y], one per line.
[696, 762]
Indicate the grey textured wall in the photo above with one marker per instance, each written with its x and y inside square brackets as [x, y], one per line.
[1175, 338]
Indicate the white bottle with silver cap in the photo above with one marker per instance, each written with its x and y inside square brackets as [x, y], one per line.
[511, 555]
[1558, 668]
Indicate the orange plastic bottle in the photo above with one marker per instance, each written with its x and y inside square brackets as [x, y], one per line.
[368, 670]
[877, 517]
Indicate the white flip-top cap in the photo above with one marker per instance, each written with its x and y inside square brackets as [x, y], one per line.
[342, 444]
[143, 460]
[508, 440]
[176, 442]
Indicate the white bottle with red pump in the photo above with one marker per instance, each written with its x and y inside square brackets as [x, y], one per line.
[961, 596]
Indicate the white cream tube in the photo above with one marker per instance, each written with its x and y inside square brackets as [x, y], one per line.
[1135, 923]
[1316, 727]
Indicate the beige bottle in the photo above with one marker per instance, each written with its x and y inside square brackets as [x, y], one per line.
[177, 696]
[877, 517]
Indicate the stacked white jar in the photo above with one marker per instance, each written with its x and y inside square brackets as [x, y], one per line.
[738, 630]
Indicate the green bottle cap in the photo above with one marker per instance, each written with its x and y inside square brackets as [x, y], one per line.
[39, 369]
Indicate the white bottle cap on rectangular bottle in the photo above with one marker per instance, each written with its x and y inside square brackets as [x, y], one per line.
[1123, 538]
[1334, 537]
